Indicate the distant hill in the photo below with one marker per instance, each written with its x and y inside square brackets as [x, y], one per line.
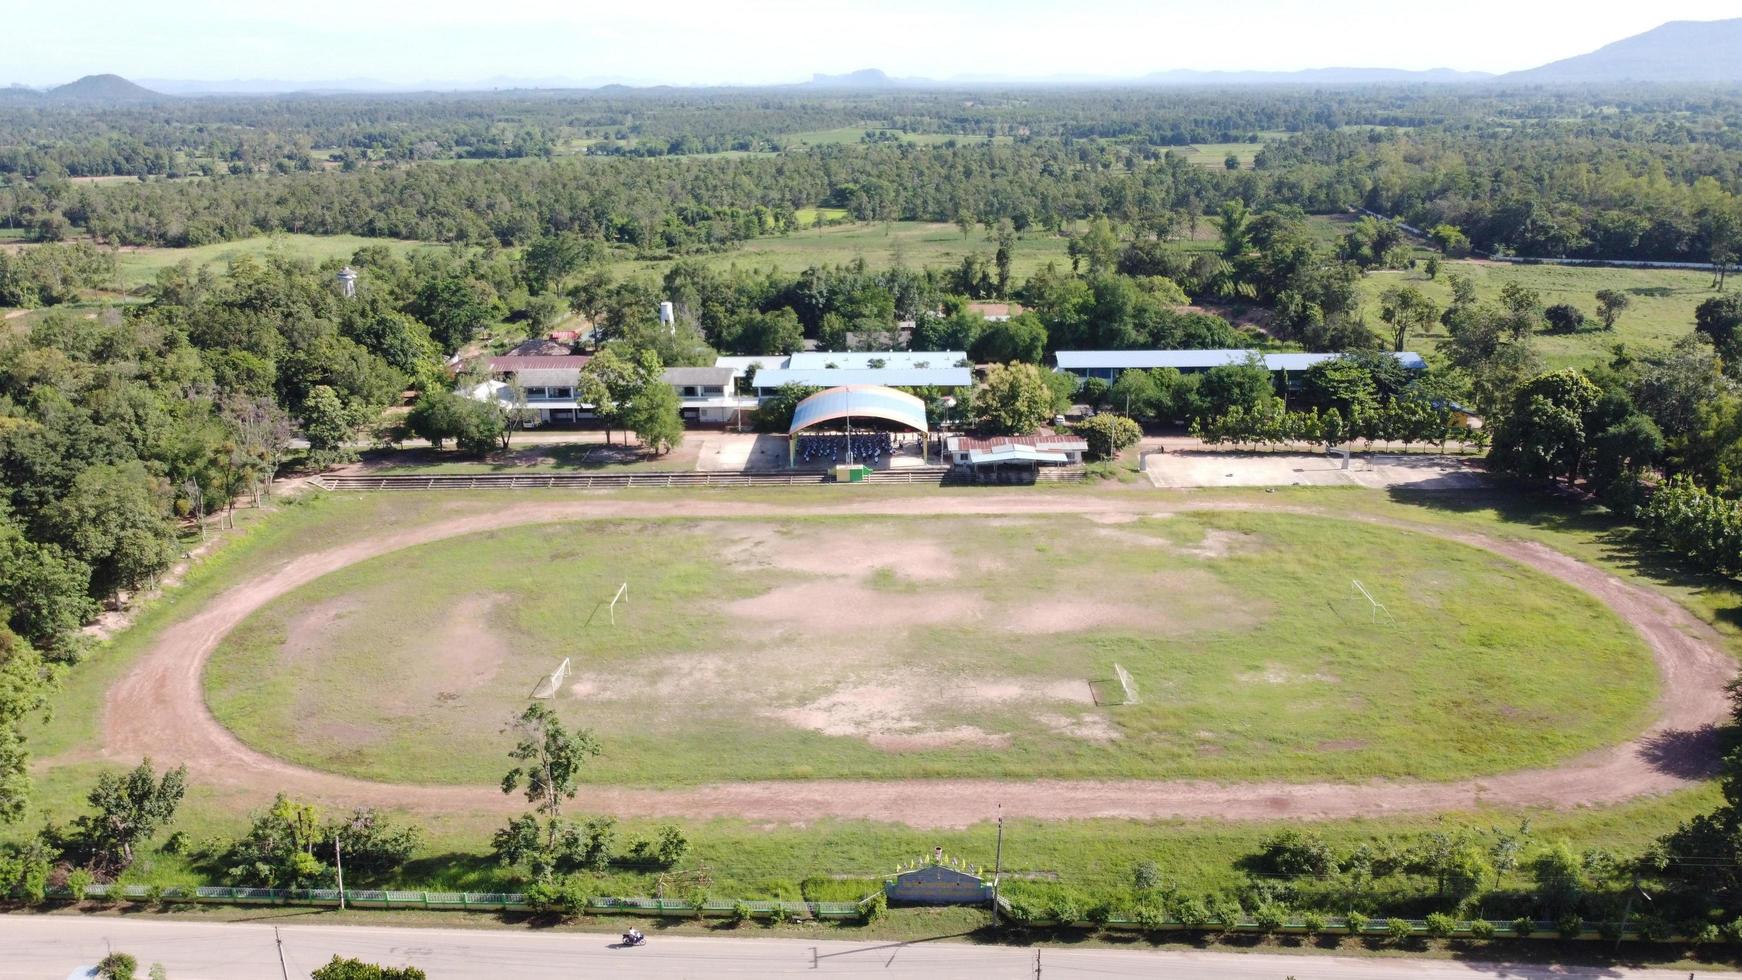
[102, 88]
[1681, 51]
[1316, 76]
[863, 78]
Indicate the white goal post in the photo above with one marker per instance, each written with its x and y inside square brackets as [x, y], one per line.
[1378, 607]
[1127, 683]
[548, 687]
[621, 596]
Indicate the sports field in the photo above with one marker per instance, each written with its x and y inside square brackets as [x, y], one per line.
[146, 692]
[889, 648]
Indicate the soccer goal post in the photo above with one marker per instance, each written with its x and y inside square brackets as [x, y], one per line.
[1378, 607]
[548, 687]
[1128, 685]
[621, 596]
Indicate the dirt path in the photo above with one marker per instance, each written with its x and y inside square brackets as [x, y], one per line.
[158, 708]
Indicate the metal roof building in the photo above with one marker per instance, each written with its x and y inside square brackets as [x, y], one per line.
[877, 360]
[1107, 364]
[859, 402]
[912, 377]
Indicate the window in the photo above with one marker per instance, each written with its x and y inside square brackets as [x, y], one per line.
[563, 392]
[535, 392]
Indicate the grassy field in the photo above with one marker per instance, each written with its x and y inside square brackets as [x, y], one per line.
[1215, 155]
[912, 243]
[753, 859]
[883, 649]
[848, 135]
[139, 266]
[1662, 312]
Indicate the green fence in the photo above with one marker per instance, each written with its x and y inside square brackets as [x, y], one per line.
[1375, 928]
[457, 901]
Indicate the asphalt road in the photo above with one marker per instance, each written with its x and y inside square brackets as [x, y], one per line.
[52, 947]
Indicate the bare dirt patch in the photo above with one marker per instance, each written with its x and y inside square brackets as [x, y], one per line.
[1218, 543]
[1279, 674]
[854, 551]
[1342, 745]
[884, 716]
[1088, 727]
[840, 604]
[467, 651]
[1013, 689]
[307, 631]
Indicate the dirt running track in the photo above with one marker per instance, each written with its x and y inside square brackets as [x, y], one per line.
[1675, 752]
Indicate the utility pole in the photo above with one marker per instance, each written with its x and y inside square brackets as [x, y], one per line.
[285, 970]
[998, 866]
[1037, 964]
[1627, 910]
[339, 862]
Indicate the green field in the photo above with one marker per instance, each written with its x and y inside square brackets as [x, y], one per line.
[139, 266]
[1216, 154]
[1662, 312]
[916, 244]
[754, 859]
[848, 135]
[884, 649]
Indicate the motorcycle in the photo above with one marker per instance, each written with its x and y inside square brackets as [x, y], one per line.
[633, 938]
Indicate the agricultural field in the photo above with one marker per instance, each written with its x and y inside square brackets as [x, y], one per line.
[1216, 154]
[916, 244]
[139, 266]
[1662, 311]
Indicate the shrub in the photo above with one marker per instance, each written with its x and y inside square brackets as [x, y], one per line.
[1270, 917]
[1108, 435]
[1313, 922]
[1356, 923]
[740, 913]
[1226, 913]
[1399, 929]
[1064, 910]
[1522, 927]
[1441, 925]
[1100, 913]
[1293, 853]
[874, 908]
[78, 882]
[1150, 917]
[1192, 913]
[560, 896]
[1146, 876]
[1570, 926]
[1481, 929]
[153, 894]
[343, 969]
[1653, 929]
[177, 843]
[117, 966]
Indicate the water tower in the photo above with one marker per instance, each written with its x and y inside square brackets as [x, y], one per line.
[348, 281]
[667, 314]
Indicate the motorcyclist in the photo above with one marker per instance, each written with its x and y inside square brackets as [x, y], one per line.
[633, 937]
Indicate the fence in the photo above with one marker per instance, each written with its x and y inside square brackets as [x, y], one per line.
[823, 911]
[1375, 928]
[608, 481]
[457, 901]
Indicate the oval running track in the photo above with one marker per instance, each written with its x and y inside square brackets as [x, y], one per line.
[158, 708]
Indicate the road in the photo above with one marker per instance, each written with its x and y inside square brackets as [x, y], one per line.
[51, 947]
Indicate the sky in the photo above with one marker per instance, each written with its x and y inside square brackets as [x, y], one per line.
[449, 42]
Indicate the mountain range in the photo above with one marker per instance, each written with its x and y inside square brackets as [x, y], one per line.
[1679, 52]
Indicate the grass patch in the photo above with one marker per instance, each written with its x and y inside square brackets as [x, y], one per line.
[1662, 312]
[139, 266]
[765, 658]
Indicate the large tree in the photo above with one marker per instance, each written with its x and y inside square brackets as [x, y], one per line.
[1015, 399]
[551, 758]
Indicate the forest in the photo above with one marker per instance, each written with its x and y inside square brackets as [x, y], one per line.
[1646, 175]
